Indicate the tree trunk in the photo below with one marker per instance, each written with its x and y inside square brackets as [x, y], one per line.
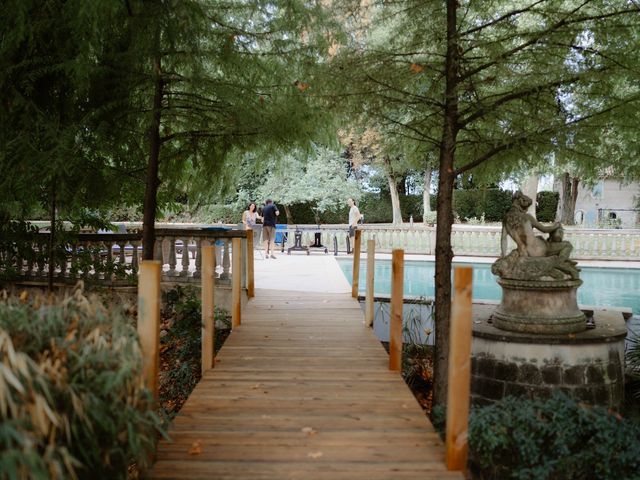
[530, 189]
[151, 190]
[287, 212]
[52, 236]
[568, 197]
[574, 198]
[444, 253]
[426, 196]
[395, 200]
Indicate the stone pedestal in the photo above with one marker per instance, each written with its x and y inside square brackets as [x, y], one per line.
[539, 306]
[588, 366]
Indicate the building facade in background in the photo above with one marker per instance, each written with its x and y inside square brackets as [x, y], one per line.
[611, 202]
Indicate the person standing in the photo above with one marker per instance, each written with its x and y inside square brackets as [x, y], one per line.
[269, 216]
[354, 217]
[250, 216]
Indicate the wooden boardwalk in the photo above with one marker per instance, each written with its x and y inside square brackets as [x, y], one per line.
[301, 391]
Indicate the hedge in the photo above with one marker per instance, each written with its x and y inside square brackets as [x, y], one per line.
[492, 203]
[547, 205]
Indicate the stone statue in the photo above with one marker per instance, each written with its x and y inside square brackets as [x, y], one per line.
[538, 280]
[535, 256]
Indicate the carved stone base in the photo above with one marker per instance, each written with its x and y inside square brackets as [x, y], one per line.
[539, 306]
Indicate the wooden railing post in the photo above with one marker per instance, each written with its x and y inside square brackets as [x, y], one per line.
[459, 381]
[250, 270]
[236, 278]
[395, 324]
[371, 266]
[208, 317]
[149, 321]
[356, 264]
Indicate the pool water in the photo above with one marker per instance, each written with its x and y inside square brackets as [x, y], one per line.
[613, 287]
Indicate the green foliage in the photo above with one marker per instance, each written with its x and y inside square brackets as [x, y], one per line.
[181, 345]
[552, 439]
[15, 243]
[72, 402]
[490, 203]
[547, 206]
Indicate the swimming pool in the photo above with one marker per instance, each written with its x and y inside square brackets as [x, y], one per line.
[613, 287]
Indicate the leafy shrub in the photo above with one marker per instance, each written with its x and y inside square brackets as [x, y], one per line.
[431, 218]
[72, 401]
[181, 346]
[547, 205]
[551, 439]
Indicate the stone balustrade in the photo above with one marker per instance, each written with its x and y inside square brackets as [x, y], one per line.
[479, 241]
[113, 259]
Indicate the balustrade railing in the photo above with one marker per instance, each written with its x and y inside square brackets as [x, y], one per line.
[480, 241]
[113, 259]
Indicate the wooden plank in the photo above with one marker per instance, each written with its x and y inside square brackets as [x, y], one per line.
[356, 263]
[301, 391]
[370, 294]
[395, 323]
[208, 326]
[459, 385]
[149, 321]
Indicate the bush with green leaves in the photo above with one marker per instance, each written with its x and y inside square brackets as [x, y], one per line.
[72, 398]
[547, 205]
[552, 439]
[181, 345]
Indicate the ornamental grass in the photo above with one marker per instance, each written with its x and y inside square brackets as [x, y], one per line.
[72, 400]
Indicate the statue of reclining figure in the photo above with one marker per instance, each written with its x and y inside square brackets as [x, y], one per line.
[547, 257]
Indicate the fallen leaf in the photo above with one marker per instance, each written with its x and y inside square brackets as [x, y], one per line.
[415, 68]
[196, 448]
[314, 454]
[309, 431]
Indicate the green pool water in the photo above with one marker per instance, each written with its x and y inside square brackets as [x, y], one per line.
[614, 287]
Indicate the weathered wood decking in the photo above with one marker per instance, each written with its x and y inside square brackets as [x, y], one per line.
[301, 391]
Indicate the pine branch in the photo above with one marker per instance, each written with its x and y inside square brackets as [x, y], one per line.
[506, 16]
[526, 137]
[207, 134]
[482, 111]
[542, 35]
[427, 100]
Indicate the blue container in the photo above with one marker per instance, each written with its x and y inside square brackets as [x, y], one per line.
[281, 233]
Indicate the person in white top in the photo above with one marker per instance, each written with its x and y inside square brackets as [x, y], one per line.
[354, 216]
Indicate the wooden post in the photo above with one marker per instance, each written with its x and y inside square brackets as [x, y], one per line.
[236, 278]
[395, 324]
[149, 321]
[459, 370]
[208, 318]
[371, 267]
[250, 270]
[356, 264]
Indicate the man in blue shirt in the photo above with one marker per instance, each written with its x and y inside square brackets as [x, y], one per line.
[269, 214]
